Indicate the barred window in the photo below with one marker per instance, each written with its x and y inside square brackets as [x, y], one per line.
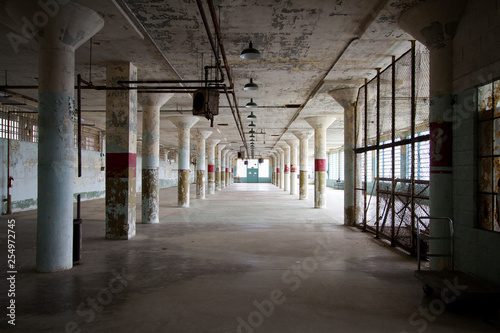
[333, 169]
[16, 124]
[488, 155]
[422, 158]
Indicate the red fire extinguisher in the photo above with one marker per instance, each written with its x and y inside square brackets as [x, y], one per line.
[11, 179]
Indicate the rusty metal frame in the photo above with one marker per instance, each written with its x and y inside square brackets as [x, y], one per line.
[377, 217]
[409, 198]
[393, 149]
[480, 120]
[365, 143]
[413, 116]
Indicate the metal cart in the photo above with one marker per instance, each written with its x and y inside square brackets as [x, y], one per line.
[444, 282]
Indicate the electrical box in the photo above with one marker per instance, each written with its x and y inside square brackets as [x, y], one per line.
[206, 103]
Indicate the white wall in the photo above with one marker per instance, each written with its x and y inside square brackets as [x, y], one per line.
[24, 169]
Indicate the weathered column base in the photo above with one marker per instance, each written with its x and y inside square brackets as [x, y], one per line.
[303, 185]
[319, 189]
[183, 189]
[200, 184]
[150, 196]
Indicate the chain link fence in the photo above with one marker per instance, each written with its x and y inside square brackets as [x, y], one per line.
[392, 149]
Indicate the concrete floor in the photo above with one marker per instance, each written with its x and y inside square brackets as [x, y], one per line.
[248, 259]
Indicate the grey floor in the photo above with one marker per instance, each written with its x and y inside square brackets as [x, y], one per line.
[250, 258]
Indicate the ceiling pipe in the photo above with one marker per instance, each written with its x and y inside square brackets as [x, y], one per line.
[236, 116]
[228, 70]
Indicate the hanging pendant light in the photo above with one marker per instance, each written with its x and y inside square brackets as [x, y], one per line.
[252, 136]
[252, 131]
[250, 53]
[251, 86]
[251, 124]
[251, 116]
[251, 104]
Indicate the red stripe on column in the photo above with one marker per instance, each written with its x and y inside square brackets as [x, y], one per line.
[320, 164]
[278, 170]
[441, 144]
[211, 168]
[287, 169]
[118, 164]
[232, 170]
[227, 169]
[292, 169]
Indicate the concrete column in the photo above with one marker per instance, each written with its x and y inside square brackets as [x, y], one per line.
[235, 159]
[282, 167]
[184, 124]
[121, 149]
[294, 144]
[56, 79]
[303, 137]
[346, 97]
[223, 165]
[218, 167]
[273, 168]
[286, 164]
[434, 23]
[151, 104]
[231, 163]
[320, 124]
[200, 136]
[228, 167]
[277, 168]
[211, 143]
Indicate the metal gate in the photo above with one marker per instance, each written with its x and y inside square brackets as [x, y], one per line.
[392, 150]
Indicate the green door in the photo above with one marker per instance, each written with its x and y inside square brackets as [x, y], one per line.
[252, 175]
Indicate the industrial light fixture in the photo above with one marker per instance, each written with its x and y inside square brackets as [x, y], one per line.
[252, 136]
[251, 104]
[251, 116]
[251, 86]
[251, 124]
[252, 131]
[250, 53]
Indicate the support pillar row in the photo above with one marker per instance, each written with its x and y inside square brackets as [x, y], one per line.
[56, 78]
[278, 163]
[293, 143]
[211, 144]
[201, 137]
[346, 97]
[320, 124]
[218, 167]
[184, 124]
[303, 137]
[151, 104]
[282, 167]
[286, 164]
[223, 166]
